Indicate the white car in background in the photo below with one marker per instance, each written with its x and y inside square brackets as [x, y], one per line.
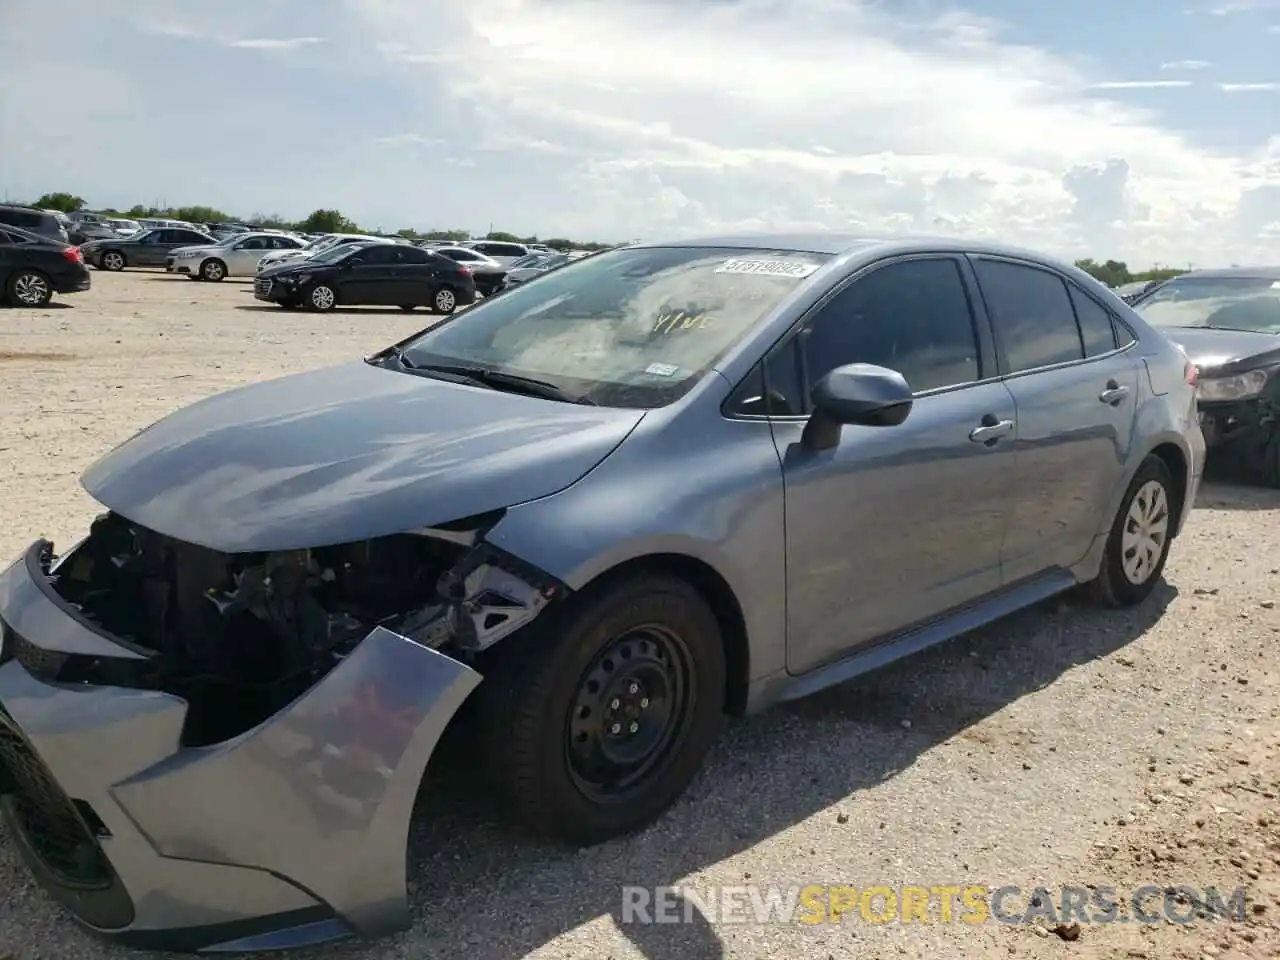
[314, 247]
[498, 250]
[236, 255]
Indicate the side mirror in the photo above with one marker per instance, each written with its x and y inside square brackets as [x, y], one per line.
[859, 394]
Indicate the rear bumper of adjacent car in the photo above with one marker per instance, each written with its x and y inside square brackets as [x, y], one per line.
[292, 833]
[76, 280]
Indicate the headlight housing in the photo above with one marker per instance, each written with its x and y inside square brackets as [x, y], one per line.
[1242, 386]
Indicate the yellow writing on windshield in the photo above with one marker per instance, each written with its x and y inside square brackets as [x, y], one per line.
[672, 321]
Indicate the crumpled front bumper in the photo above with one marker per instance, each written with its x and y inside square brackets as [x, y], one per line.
[291, 834]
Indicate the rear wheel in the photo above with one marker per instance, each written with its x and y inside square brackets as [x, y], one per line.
[444, 301]
[30, 288]
[595, 726]
[1141, 534]
[113, 260]
[322, 297]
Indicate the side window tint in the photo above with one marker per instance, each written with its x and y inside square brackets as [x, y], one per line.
[1095, 323]
[773, 388]
[1032, 314]
[1123, 336]
[912, 317]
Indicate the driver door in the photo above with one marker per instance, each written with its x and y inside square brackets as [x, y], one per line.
[894, 526]
[243, 257]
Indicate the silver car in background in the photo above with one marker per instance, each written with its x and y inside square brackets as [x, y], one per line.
[236, 255]
[489, 273]
[315, 246]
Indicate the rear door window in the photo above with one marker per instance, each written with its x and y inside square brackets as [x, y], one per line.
[1034, 321]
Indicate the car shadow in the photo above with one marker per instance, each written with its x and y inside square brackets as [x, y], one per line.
[349, 311]
[478, 887]
[51, 305]
[1231, 487]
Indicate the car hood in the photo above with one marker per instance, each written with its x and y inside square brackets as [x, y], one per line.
[1210, 349]
[293, 265]
[525, 273]
[347, 453]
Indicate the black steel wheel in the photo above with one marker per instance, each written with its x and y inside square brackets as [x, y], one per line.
[627, 712]
[596, 719]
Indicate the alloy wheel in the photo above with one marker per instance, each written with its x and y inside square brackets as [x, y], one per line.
[31, 289]
[323, 298]
[446, 301]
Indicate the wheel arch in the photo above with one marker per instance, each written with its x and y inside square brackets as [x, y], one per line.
[719, 596]
[1175, 459]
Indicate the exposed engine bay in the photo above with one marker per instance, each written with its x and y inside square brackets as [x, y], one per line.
[240, 636]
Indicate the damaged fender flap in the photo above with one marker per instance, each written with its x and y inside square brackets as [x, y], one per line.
[488, 595]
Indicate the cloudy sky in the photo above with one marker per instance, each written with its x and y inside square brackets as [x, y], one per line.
[1146, 130]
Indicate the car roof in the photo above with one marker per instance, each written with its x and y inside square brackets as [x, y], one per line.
[1253, 273]
[835, 244]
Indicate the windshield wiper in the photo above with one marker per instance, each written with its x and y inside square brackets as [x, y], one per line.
[498, 380]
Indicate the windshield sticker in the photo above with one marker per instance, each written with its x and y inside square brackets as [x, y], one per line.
[769, 268]
[662, 369]
[670, 321]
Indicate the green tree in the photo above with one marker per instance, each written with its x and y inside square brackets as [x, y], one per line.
[198, 215]
[59, 200]
[327, 221]
[446, 235]
[272, 221]
[503, 237]
[1113, 273]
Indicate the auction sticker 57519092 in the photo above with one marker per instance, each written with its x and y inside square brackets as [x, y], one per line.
[769, 268]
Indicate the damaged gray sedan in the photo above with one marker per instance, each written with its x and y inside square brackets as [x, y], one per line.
[584, 523]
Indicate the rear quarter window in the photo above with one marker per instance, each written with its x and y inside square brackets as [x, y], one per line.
[21, 218]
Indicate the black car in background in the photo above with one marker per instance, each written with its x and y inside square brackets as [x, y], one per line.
[150, 248]
[1228, 322]
[40, 222]
[33, 268]
[369, 274]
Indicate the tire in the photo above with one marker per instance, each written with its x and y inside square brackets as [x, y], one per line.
[408, 307]
[1268, 466]
[113, 260]
[534, 740]
[322, 298]
[213, 270]
[30, 288]
[444, 301]
[1118, 583]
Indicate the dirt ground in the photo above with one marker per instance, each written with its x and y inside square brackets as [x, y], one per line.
[1066, 746]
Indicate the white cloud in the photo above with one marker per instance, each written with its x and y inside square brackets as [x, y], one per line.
[1186, 65]
[275, 43]
[1139, 84]
[707, 120]
[1245, 87]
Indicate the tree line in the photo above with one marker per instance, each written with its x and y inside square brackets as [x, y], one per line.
[318, 221]
[1111, 272]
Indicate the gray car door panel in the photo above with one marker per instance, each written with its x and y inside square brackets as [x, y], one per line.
[1075, 413]
[895, 525]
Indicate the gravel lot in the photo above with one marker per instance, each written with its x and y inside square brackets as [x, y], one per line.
[1067, 745]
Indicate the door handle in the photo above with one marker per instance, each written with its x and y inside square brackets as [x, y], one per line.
[991, 430]
[1114, 393]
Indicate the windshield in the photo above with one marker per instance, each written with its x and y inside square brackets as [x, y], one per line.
[1235, 303]
[338, 251]
[631, 328]
[125, 224]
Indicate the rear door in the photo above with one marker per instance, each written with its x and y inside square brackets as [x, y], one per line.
[1075, 388]
[419, 272]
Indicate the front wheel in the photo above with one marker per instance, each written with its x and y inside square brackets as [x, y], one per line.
[30, 288]
[213, 271]
[322, 297]
[595, 726]
[1140, 537]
